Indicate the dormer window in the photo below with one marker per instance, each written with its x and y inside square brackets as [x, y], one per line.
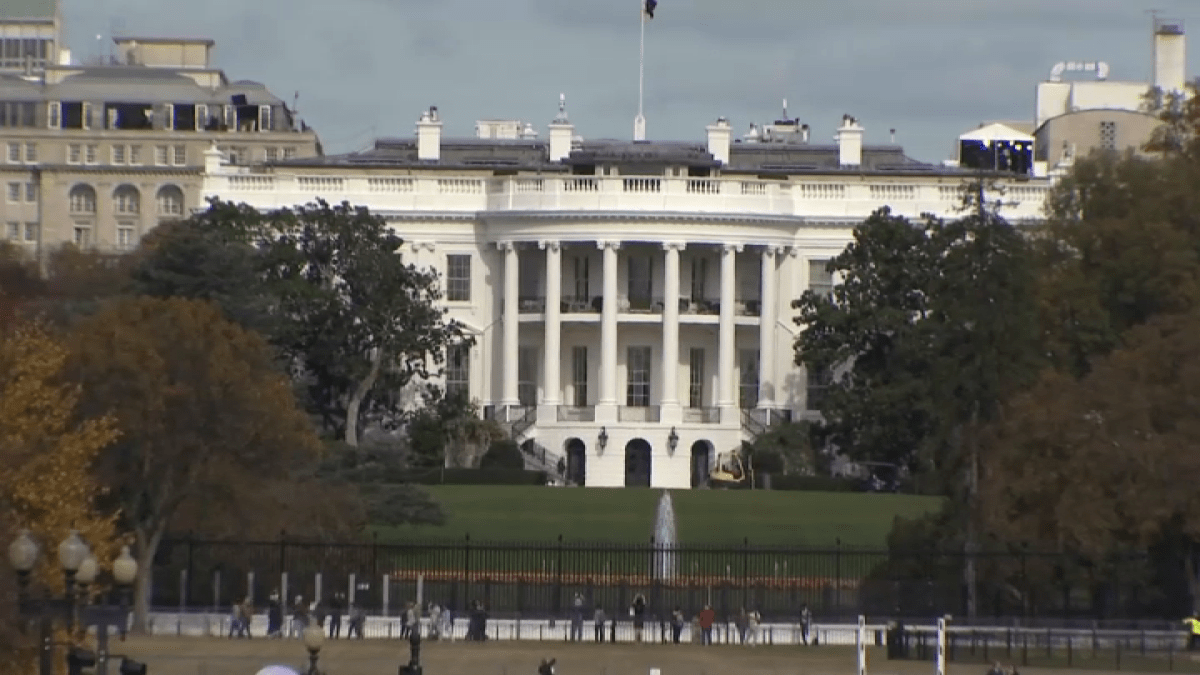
[264, 118]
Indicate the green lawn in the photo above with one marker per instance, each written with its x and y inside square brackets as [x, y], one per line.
[541, 514]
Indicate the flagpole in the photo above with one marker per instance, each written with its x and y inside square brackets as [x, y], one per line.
[639, 122]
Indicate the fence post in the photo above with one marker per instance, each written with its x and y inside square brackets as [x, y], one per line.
[558, 579]
[941, 646]
[216, 586]
[318, 587]
[837, 575]
[183, 590]
[352, 589]
[745, 570]
[250, 587]
[387, 592]
[860, 643]
[467, 570]
[186, 598]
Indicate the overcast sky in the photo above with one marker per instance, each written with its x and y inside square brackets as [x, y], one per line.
[931, 69]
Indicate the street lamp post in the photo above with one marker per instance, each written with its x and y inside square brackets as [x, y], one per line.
[81, 569]
[414, 655]
[314, 639]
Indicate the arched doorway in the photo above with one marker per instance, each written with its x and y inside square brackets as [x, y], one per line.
[701, 463]
[576, 462]
[637, 463]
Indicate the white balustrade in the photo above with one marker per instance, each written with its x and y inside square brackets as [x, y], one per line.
[807, 197]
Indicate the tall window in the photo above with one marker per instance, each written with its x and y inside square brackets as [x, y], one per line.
[818, 383]
[581, 279]
[748, 378]
[126, 235]
[527, 376]
[458, 278]
[170, 201]
[696, 377]
[82, 199]
[699, 277]
[579, 376]
[1108, 135]
[83, 234]
[637, 366]
[641, 284]
[127, 200]
[458, 371]
[820, 279]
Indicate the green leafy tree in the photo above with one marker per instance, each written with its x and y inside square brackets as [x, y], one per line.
[360, 321]
[503, 454]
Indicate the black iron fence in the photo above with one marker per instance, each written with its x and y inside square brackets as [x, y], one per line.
[542, 580]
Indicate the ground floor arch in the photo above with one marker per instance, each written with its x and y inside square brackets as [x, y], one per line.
[701, 463]
[576, 452]
[637, 463]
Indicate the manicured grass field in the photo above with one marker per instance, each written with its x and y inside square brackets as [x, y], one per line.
[541, 514]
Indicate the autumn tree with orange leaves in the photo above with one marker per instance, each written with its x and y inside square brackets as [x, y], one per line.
[46, 480]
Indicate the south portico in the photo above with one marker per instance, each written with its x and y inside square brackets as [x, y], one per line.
[661, 457]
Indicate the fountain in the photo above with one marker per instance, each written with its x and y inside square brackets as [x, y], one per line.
[665, 539]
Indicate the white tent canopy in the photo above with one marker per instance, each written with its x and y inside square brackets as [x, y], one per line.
[995, 132]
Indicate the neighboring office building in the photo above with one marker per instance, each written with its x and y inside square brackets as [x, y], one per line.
[1073, 118]
[30, 36]
[631, 301]
[97, 155]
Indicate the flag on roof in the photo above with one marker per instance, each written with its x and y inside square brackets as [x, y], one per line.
[649, 8]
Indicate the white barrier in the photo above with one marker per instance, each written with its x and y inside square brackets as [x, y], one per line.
[941, 646]
[860, 642]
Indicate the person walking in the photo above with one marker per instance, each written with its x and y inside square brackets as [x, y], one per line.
[299, 618]
[245, 616]
[638, 610]
[337, 605]
[805, 622]
[740, 624]
[677, 620]
[577, 620]
[1193, 624]
[753, 619]
[435, 621]
[274, 616]
[707, 618]
[598, 617]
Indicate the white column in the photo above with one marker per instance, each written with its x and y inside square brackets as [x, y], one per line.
[726, 347]
[511, 334]
[766, 330]
[608, 334]
[669, 403]
[552, 385]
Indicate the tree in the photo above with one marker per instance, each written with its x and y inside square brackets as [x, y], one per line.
[195, 397]
[792, 443]
[208, 257]
[929, 327]
[359, 320]
[47, 485]
[448, 431]
[1121, 245]
[1101, 464]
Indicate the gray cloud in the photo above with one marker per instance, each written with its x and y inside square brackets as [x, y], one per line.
[929, 68]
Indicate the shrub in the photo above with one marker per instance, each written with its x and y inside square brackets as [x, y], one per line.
[503, 454]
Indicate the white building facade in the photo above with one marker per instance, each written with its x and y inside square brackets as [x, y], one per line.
[630, 302]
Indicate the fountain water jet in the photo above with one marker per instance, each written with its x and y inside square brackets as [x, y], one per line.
[665, 539]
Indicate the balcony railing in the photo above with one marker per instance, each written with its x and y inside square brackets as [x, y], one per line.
[811, 198]
[576, 413]
[645, 413]
[702, 415]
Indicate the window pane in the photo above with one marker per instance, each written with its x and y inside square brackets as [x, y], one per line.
[458, 278]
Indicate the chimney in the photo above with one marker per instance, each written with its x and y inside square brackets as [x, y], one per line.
[718, 140]
[561, 132]
[213, 160]
[850, 141]
[429, 136]
[1170, 56]
[804, 132]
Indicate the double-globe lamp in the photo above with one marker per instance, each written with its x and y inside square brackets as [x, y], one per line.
[314, 639]
[74, 557]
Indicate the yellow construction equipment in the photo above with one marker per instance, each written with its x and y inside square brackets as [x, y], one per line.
[732, 468]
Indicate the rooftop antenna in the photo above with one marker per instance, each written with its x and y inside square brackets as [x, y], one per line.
[1154, 14]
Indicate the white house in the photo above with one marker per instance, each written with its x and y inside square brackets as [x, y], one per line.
[631, 301]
